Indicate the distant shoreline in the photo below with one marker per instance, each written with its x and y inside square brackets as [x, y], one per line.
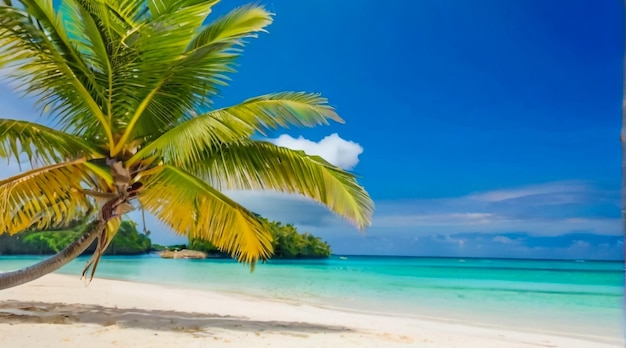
[476, 258]
[225, 256]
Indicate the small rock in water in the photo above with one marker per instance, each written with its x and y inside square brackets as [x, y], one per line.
[183, 254]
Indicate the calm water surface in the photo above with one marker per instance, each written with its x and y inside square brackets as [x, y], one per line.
[577, 298]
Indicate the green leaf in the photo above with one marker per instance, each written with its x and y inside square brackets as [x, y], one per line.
[41, 144]
[185, 142]
[46, 63]
[254, 165]
[182, 65]
[240, 23]
[46, 197]
[194, 209]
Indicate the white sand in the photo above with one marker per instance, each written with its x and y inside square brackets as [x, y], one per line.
[59, 311]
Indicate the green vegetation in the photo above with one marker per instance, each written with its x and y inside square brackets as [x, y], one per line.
[158, 247]
[127, 241]
[177, 247]
[287, 243]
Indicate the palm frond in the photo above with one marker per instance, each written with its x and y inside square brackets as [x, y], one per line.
[141, 79]
[186, 142]
[104, 239]
[114, 17]
[240, 23]
[47, 197]
[95, 37]
[284, 109]
[84, 34]
[41, 144]
[159, 8]
[43, 59]
[105, 32]
[194, 209]
[254, 165]
[182, 70]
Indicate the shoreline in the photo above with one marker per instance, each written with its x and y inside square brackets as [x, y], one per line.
[61, 310]
[452, 318]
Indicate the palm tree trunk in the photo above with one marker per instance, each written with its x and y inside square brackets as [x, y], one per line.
[49, 265]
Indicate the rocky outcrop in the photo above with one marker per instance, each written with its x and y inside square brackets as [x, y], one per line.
[182, 254]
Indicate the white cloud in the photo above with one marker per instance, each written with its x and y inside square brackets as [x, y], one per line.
[502, 239]
[553, 188]
[334, 149]
[547, 209]
[456, 223]
[431, 220]
[583, 244]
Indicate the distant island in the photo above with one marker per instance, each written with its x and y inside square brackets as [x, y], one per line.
[288, 243]
[127, 241]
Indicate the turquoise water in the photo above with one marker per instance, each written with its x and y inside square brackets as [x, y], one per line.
[574, 298]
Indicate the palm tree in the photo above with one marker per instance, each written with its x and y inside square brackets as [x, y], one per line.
[129, 85]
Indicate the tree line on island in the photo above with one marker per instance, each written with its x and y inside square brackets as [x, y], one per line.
[287, 242]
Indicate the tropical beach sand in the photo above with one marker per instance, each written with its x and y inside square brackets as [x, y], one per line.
[59, 311]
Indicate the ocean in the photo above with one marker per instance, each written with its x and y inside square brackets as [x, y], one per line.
[574, 298]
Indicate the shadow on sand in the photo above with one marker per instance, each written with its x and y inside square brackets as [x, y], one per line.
[16, 312]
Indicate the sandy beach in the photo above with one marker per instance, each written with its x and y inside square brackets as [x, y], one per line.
[59, 311]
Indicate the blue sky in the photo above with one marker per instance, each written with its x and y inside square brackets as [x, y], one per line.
[480, 128]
